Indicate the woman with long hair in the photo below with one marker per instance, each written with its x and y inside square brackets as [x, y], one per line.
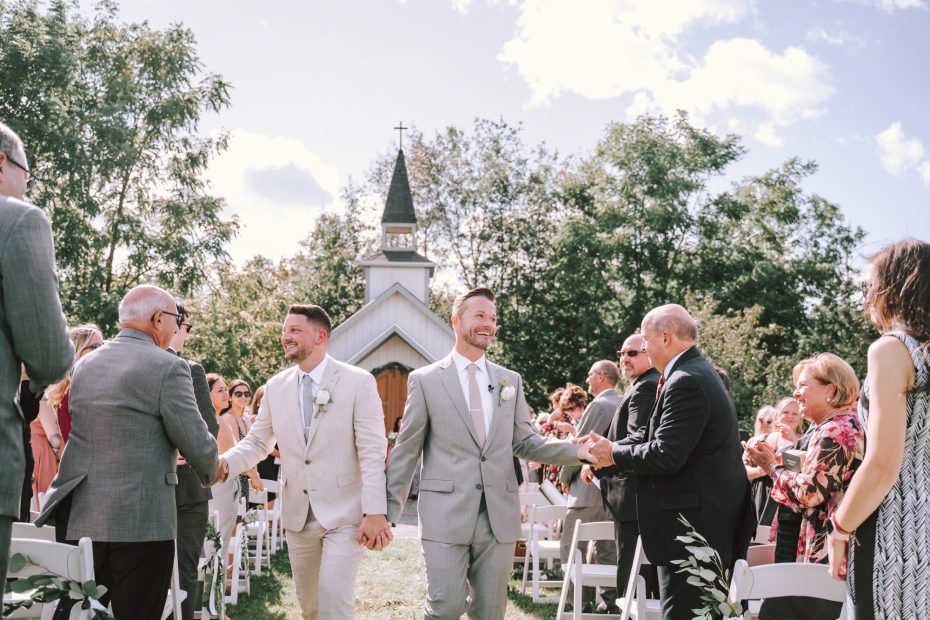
[238, 424]
[85, 338]
[225, 494]
[885, 509]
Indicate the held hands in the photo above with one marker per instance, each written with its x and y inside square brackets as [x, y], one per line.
[222, 472]
[587, 474]
[255, 481]
[600, 450]
[374, 533]
[584, 451]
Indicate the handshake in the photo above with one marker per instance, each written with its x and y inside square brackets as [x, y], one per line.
[594, 449]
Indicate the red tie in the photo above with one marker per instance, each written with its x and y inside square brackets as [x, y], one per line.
[661, 383]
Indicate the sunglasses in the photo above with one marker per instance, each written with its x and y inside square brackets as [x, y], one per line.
[187, 327]
[239, 394]
[30, 178]
[630, 353]
[179, 318]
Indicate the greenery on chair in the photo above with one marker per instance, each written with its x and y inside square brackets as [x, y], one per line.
[48, 587]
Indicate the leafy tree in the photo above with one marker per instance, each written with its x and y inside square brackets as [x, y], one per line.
[109, 113]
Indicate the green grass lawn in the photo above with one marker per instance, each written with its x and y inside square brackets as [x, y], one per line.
[391, 585]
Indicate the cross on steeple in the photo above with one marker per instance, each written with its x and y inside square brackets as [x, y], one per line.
[400, 129]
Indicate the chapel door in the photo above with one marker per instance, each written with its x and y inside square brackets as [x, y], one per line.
[392, 387]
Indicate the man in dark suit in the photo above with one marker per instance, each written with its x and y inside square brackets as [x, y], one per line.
[618, 489]
[583, 497]
[190, 496]
[687, 460]
[33, 331]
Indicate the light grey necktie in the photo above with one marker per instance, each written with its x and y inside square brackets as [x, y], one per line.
[474, 403]
[307, 390]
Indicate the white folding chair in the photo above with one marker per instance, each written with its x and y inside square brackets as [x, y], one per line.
[239, 579]
[257, 530]
[762, 534]
[579, 573]
[212, 608]
[274, 518]
[542, 546]
[635, 603]
[76, 563]
[176, 595]
[528, 500]
[30, 531]
[760, 555]
[785, 579]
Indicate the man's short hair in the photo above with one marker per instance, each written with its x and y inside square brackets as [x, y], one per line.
[609, 369]
[10, 143]
[184, 312]
[672, 318]
[475, 292]
[314, 314]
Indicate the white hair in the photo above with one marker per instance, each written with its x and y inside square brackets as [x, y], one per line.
[9, 141]
[142, 301]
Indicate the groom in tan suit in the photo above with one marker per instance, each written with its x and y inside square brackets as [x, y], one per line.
[467, 418]
[327, 420]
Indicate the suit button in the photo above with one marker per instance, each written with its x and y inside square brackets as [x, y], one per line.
[483, 459]
[305, 491]
[478, 486]
[307, 462]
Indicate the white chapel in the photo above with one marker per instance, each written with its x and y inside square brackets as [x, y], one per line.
[395, 331]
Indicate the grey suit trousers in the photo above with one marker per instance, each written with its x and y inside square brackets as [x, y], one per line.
[192, 527]
[6, 531]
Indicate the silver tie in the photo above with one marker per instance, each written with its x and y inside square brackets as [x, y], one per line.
[474, 403]
[308, 394]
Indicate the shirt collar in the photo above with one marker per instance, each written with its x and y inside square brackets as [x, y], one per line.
[316, 374]
[461, 363]
[604, 391]
[671, 363]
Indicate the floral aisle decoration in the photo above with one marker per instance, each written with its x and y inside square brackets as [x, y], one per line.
[49, 586]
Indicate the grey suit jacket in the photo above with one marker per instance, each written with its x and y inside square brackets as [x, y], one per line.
[133, 407]
[189, 490]
[33, 330]
[596, 418]
[456, 472]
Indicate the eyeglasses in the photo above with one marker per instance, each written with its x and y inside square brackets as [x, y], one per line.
[630, 353]
[179, 318]
[187, 327]
[239, 394]
[30, 178]
[866, 288]
[92, 347]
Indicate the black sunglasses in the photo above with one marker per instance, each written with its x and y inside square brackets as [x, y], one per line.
[187, 327]
[237, 393]
[630, 353]
[30, 178]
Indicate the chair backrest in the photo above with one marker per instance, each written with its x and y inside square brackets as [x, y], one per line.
[595, 530]
[271, 486]
[786, 579]
[546, 516]
[30, 531]
[75, 563]
[533, 498]
[762, 534]
[635, 592]
[759, 555]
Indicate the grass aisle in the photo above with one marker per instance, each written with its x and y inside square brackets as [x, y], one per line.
[391, 585]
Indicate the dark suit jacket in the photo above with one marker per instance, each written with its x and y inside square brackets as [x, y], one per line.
[189, 489]
[617, 488]
[688, 462]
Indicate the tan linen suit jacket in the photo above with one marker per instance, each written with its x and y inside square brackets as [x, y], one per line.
[339, 470]
[456, 471]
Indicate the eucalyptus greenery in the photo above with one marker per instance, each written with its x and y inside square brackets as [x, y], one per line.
[48, 586]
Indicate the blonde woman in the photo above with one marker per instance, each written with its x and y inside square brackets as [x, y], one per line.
[85, 338]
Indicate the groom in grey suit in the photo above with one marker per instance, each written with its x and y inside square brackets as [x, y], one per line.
[467, 418]
[32, 327]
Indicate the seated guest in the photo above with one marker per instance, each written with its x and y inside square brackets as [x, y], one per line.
[826, 389]
[788, 424]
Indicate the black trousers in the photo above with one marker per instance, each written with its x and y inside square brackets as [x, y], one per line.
[626, 534]
[678, 596]
[192, 527]
[137, 576]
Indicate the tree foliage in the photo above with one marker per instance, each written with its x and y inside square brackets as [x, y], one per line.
[109, 114]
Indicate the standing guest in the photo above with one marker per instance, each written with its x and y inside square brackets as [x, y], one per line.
[826, 388]
[133, 408]
[584, 500]
[561, 425]
[886, 504]
[687, 460]
[549, 428]
[85, 338]
[465, 418]
[632, 414]
[225, 501]
[238, 424]
[32, 327]
[45, 439]
[787, 424]
[267, 469]
[328, 420]
[191, 498]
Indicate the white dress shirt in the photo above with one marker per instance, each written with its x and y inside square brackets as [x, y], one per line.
[317, 375]
[671, 364]
[483, 379]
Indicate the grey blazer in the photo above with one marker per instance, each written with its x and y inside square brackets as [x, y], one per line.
[189, 490]
[455, 471]
[33, 330]
[133, 407]
[596, 418]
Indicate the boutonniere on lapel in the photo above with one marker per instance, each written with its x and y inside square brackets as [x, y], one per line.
[321, 401]
[507, 391]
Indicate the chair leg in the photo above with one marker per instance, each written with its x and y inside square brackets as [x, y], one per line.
[576, 588]
[526, 566]
[536, 579]
[566, 580]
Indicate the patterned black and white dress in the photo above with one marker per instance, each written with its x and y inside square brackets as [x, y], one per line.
[889, 575]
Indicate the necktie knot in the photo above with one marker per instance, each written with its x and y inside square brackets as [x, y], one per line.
[472, 369]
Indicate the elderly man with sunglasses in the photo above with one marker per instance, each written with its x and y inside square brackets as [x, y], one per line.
[617, 489]
[133, 408]
[33, 331]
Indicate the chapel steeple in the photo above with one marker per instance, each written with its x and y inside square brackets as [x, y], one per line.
[399, 220]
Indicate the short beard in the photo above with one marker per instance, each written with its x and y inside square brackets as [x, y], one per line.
[297, 356]
[475, 342]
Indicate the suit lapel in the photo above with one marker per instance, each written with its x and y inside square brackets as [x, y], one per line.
[494, 376]
[292, 413]
[328, 383]
[448, 376]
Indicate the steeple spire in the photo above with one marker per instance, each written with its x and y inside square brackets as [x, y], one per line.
[398, 208]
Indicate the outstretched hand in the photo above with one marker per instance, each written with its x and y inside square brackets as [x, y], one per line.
[374, 533]
[602, 450]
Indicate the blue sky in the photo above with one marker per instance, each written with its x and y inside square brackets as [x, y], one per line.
[318, 87]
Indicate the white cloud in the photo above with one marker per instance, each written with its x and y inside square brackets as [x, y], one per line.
[900, 154]
[891, 5]
[273, 220]
[603, 49]
[838, 37]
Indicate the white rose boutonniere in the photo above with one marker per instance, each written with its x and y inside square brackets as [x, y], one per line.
[321, 401]
[507, 391]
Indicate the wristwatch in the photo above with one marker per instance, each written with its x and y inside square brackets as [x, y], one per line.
[834, 529]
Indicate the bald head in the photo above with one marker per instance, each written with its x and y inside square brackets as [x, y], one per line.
[151, 310]
[667, 331]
